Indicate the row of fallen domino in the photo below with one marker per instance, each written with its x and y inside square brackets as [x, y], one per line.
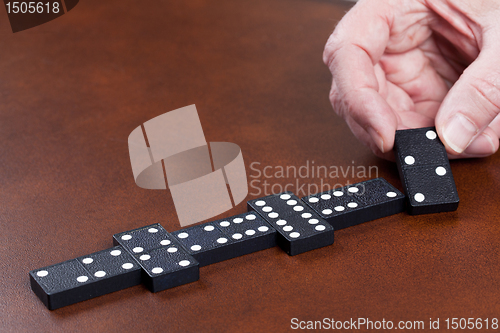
[163, 260]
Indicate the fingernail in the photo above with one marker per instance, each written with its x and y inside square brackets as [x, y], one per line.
[490, 140]
[377, 138]
[482, 146]
[458, 132]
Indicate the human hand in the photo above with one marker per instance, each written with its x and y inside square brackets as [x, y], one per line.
[393, 63]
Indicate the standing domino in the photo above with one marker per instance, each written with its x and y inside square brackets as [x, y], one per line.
[425, 171]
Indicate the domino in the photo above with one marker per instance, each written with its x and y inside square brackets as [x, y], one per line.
[143, 239]
[249, 232]
[354, 204]
[168, 267]
[86, 277]
[225, 239]
[206, 243]
[425, 171]
[165, 264]
[300, 229]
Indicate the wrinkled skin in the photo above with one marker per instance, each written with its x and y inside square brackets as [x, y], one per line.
[400, 64]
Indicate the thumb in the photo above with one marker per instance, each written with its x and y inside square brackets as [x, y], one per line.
[472, 104]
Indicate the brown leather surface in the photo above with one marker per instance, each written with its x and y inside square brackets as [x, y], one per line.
[73, 89]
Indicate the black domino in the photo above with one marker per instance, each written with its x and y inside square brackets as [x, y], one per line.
[225, 239]
[300, 229]
[164, 262]
[358, 203]
[425, 171]
[249, 232]
[165, 269]
[206, 243]
[86, 277]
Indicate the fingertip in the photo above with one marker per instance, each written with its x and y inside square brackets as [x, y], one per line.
[384, 154]
[378, 118]
[457, 133]
[367, 139]
[389, 156]
[384, 144]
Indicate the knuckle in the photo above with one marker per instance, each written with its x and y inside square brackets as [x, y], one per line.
[340, 102]
[329, 53]
[333, 44]
[336, 100]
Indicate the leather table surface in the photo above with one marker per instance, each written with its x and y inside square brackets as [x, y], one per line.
[72, 90]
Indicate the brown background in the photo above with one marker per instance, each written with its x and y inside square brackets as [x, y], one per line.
[73, 89]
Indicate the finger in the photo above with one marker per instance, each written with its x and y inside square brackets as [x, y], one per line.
[410, 119]
[412, 71]
[367, 140]
[483, 145]
[455, 26]
[438, 60]
[398, 100]
[351, 53]
[409, 114]
[495, 125]
[428, 109]
[472, 103]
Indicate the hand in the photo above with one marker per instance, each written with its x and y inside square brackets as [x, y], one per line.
[414, 63]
